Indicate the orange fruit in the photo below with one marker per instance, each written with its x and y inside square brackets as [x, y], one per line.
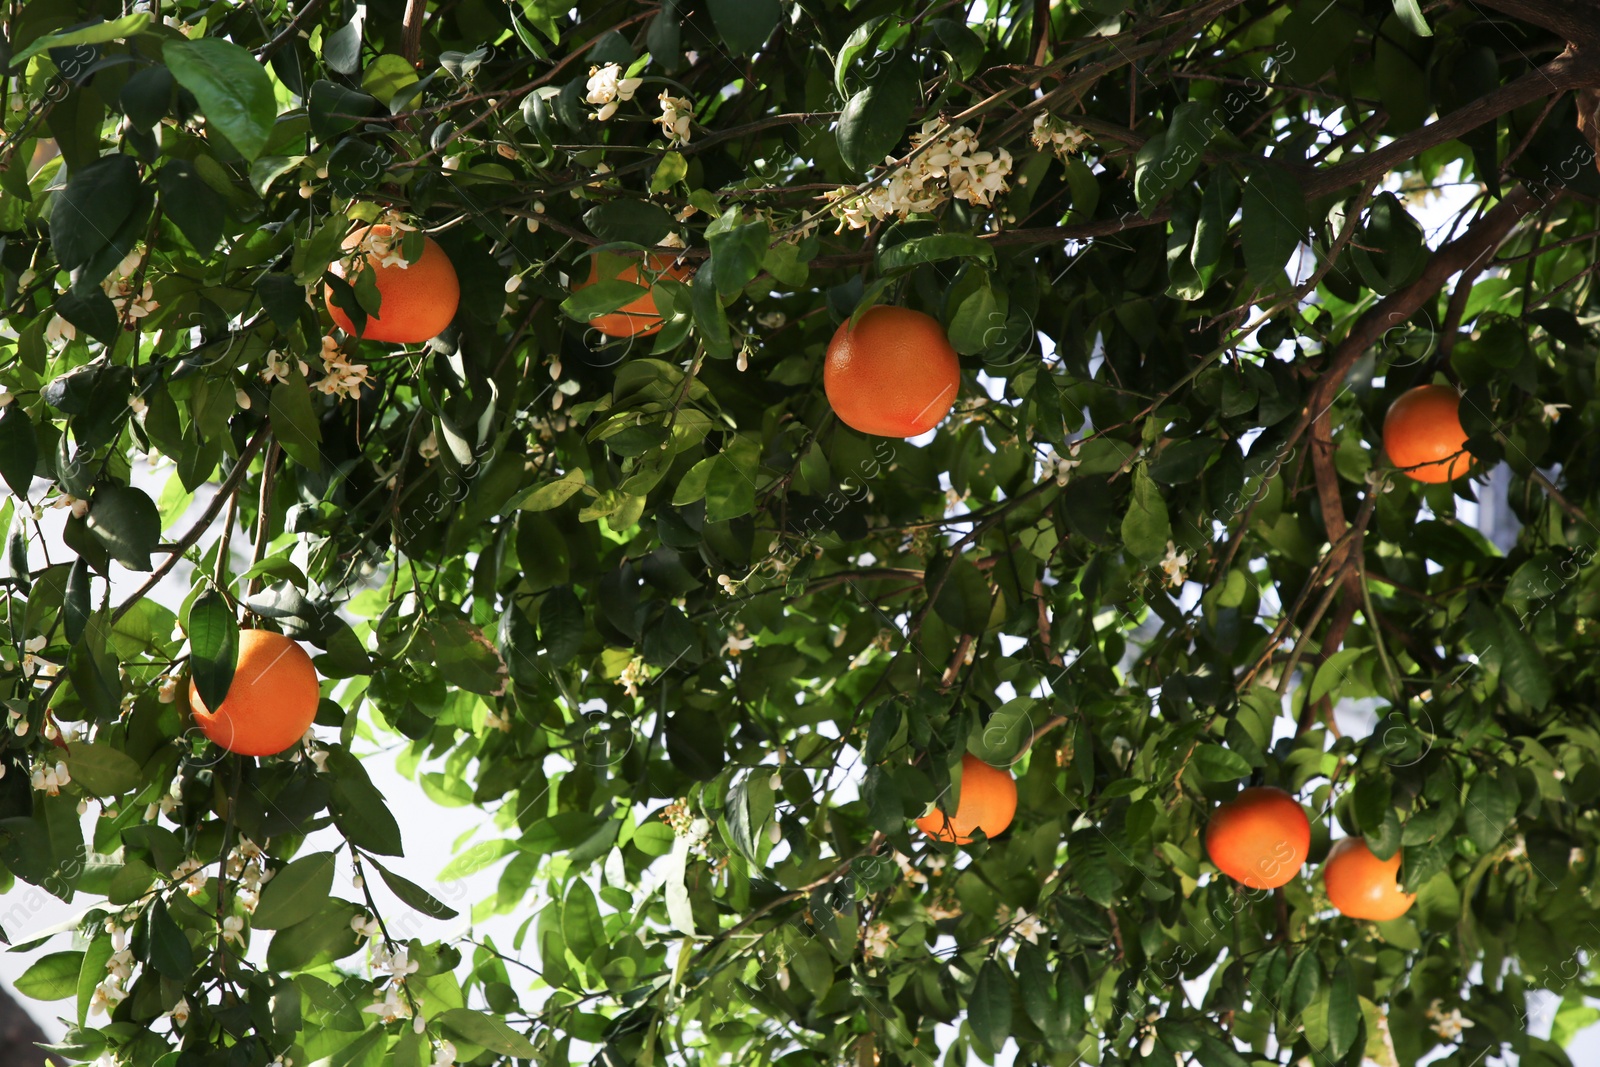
[418, 299]
[271, 702]
[1361, 885]
[988, 801]
[1423, 436]
[1260, 838]
[893, 375]
[640, 317]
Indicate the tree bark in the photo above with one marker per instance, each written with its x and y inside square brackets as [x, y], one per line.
[1572, 20]
[20, 1036]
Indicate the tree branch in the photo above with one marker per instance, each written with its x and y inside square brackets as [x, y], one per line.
[1570, 70]
[225, 491]
[1572, 20]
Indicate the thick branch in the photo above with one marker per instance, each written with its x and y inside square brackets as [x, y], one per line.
[1569, 70]
[1571, 20]
[1463, 254]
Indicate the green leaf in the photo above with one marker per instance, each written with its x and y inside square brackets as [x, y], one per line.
[1410, 12]
[1219, 764]
[1146, 529]
[1344, 1011]
[486, 1030]
[1303, 984]
[294, 423]
[738, 247]
[193, 206]
[672, 169]
[295, 892]
[233, 90]
[99, 33]
[1335, 671]
[745, 25]
[127, 523]
[92, 666]
[324, 937]
[1491, 806]
[637, 221]
[1275, 222]
[859, 41]
[102, 770]
[1168, 160]
[561, 625]
[601, 298]
[213, 646]
[19, 449]
[51, 977]
[96, 201]
[411, 894]
[989, 1007]
[964, 600]
[359, 810]
[170, 952]
[548, 495]
[1522, 667]
[77, 606]
[874, 120]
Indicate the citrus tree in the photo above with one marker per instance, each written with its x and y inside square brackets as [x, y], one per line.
[878, 503]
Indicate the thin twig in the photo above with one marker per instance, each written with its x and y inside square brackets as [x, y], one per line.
[202, 524]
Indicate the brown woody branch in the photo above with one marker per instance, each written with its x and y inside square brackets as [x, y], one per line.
[1571, 20]
[224, 493]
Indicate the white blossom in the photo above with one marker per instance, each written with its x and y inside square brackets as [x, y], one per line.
[391, 1006]
[1059, 136]
[676, 115]
[608, 88]
[1174, 565]
[876, 944]
[1448, 1025]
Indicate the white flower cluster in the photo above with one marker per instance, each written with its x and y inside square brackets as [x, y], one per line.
[1448, 1025]
[943, 164]
[633, 675]
[48, 779]
[34, 665]
[169, 800]
[386, 246]
[79, 506]
[1054, 465]
[192, 873]
[877, 943]
[1057, 135]
[118, 285]
[247, 864]
[737, 641]
[278, 367]
[112, 989]
[310, 750]
[58, 331]
[340, 377]
[608, 88]
[676, 114]
[1175, 565]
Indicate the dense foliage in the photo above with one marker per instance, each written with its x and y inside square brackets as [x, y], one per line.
[701, 653]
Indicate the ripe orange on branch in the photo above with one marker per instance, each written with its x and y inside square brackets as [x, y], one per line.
[1260, 838]
[271, 702]
[988, 803]
[1361, 885]
[893, 374]
[1423, 436]
[418, 299]
[640, 317]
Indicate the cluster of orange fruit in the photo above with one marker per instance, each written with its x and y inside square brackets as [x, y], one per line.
[892, 373]
[1259, 839]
